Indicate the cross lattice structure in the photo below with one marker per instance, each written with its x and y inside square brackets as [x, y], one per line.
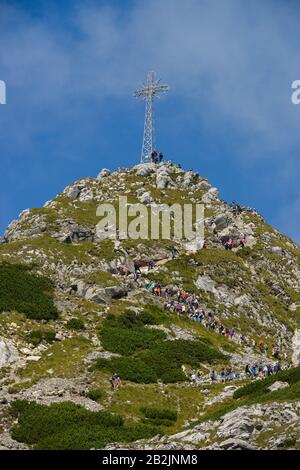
[150, 90]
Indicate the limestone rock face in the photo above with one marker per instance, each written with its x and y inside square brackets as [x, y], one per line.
[8, 352]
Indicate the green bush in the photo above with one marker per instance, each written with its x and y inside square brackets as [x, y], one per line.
[24, 292]
[128, 368]
[152, 315]
[37, 336]
[75, 324]
[126, 334]
[157, 413]
[162, 362]
[95, 394]
[67, 426]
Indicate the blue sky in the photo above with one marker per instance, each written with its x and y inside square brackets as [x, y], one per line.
[70, 68]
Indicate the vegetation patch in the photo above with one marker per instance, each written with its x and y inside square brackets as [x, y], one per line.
[95, 394]
[62, 359]
[101, 278]
[75, 324]
[37, 336]
[162, 361]
[67, 426]
[159, 417]
[259, 387]
[24, 292]
[126, 333]
[256, 392]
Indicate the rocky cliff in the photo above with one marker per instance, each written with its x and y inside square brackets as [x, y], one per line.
[70, 318]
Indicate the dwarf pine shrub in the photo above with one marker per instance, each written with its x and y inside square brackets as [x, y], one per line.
[75, 324]
[162, 361]
[67, 426]
[37, 336]
[25, 292]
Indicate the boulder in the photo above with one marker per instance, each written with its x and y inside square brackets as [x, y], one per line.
[277, 250]
[86, 195]
[211, 195]
[105, 295]
[103, 173]
[164, 181]
[204, 185]
[296, 347]
[72, 192]
[8, 353]
[188, 179]
[71, 232]
[236, 444]
[221, 222]
[206, 283]
[145, 169]
[278, 385]
[146, 198]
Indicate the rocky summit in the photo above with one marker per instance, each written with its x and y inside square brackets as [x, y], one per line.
[148, 344]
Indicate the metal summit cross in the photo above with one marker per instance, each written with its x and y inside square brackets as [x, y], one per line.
[151, 89]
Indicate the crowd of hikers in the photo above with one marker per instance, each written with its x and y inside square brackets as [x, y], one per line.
[179, 301]
[229, 243]
[158, 157]
[238, 209]
[227, 374]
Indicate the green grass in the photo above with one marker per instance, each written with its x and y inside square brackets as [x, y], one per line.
[62, 359]
[158, 416]
[24, 292]
[67, 252]
[101, 278]
[67, 426]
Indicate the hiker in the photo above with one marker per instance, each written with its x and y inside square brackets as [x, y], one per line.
[174, 251]
[150, 264]
[213, 376]
[237, 209]
[242, 240]
[124, 271]
[193, 378]
[229, 244]
[199, 376]
[154, 156]
[137, 268]
[157, 289]
[115, 381]
[160, 157]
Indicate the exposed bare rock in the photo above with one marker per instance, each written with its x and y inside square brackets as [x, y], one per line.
[8, 352]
